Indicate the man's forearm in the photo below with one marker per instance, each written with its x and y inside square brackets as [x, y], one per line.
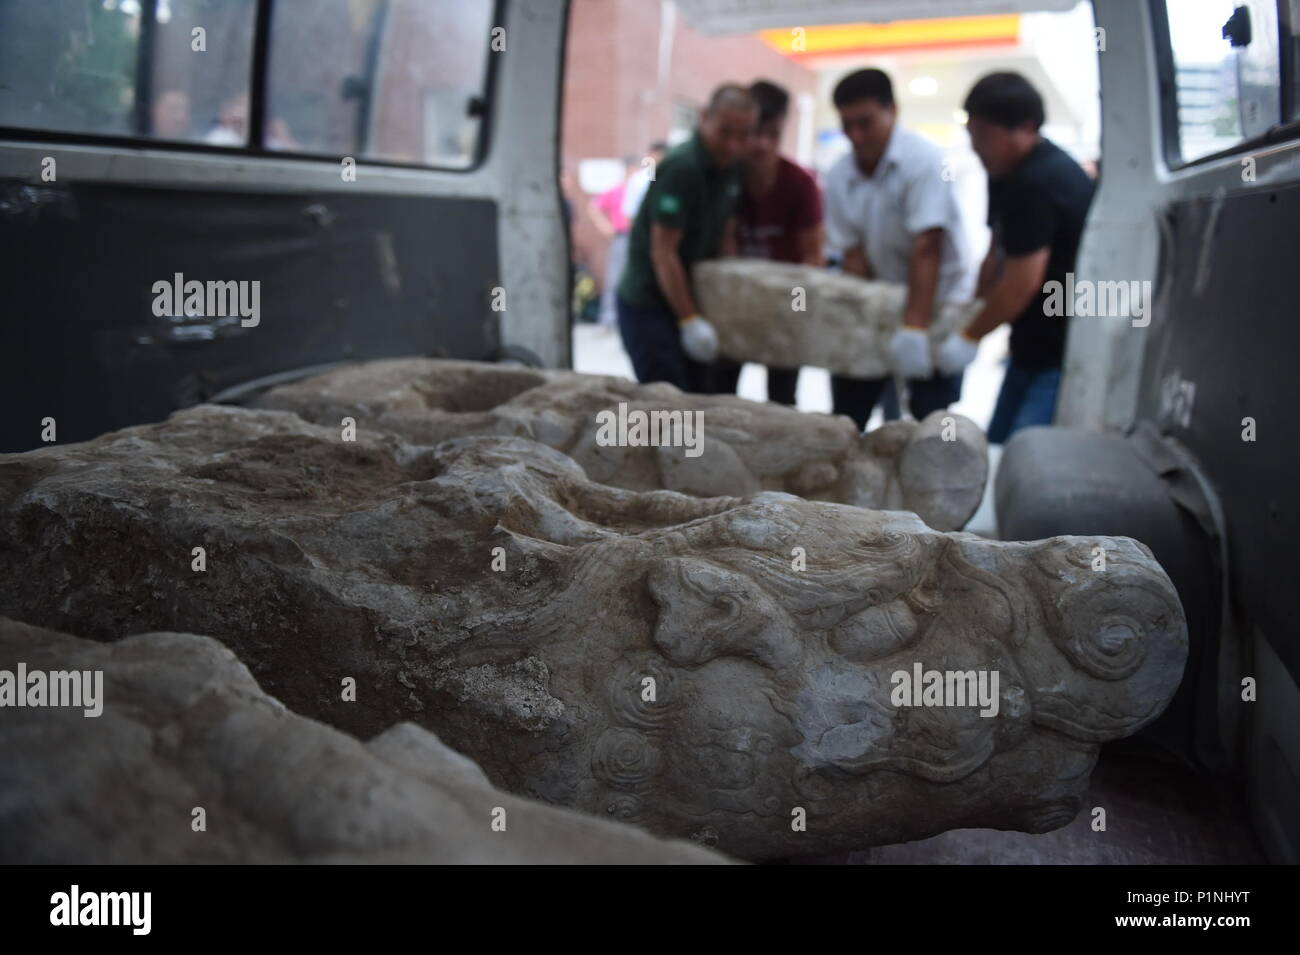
[729, 247]
[854, 262]
[1003, 303]
[922, 284]
[671, 275]
[988, 273]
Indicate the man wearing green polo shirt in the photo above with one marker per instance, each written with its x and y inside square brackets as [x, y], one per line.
[686, 216]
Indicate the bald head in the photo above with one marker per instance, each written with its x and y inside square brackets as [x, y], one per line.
[727, 122]
[730, 96]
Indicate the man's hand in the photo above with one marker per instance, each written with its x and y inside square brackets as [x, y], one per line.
[910, 350]
[699, 340]
[955, 352]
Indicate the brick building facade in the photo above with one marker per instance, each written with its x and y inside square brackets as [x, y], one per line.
[635, 72]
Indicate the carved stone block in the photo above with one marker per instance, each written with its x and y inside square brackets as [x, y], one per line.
[189, 761]
[720, 668]
[936, 468]
[783, 314]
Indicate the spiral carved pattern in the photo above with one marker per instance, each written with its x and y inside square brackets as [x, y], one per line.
[628, 704]
[624, 758]
[1105, 630]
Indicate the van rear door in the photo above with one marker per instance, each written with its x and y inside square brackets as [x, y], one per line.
[199, 198]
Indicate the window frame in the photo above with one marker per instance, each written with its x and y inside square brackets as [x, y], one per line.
[1167, 86]
[255, 147]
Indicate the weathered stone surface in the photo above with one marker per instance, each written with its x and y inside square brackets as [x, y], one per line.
[185, 726]
[773, 685]
[747, 447]
[845, 326]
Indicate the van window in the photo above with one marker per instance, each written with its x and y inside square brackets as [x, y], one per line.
[1225, 93]
[202, 59]
[94, 67]
[395, 80]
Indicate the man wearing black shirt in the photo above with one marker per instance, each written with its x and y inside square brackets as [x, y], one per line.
[1038, 199]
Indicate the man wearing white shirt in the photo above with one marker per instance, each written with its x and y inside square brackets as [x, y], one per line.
[892, 214]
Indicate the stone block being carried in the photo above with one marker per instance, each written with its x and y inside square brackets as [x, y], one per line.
[786, 315]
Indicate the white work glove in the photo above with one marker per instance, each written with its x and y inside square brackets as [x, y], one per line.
[910, 350]
[954, 353]
[699, 340]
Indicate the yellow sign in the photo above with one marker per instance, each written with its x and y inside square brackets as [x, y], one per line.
[895, 35]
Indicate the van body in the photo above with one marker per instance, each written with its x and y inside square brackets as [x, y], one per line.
[123, 179]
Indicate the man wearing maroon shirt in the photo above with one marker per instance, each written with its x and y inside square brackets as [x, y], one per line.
[779, 217]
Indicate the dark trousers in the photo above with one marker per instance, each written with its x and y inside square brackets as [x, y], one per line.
[856, 397]
[889, 402]
[724, 376]
[651, 339]
[781, 382]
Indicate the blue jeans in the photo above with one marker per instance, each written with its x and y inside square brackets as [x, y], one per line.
[1027, 398]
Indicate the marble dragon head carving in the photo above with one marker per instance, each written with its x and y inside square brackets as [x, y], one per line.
[719, 667]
